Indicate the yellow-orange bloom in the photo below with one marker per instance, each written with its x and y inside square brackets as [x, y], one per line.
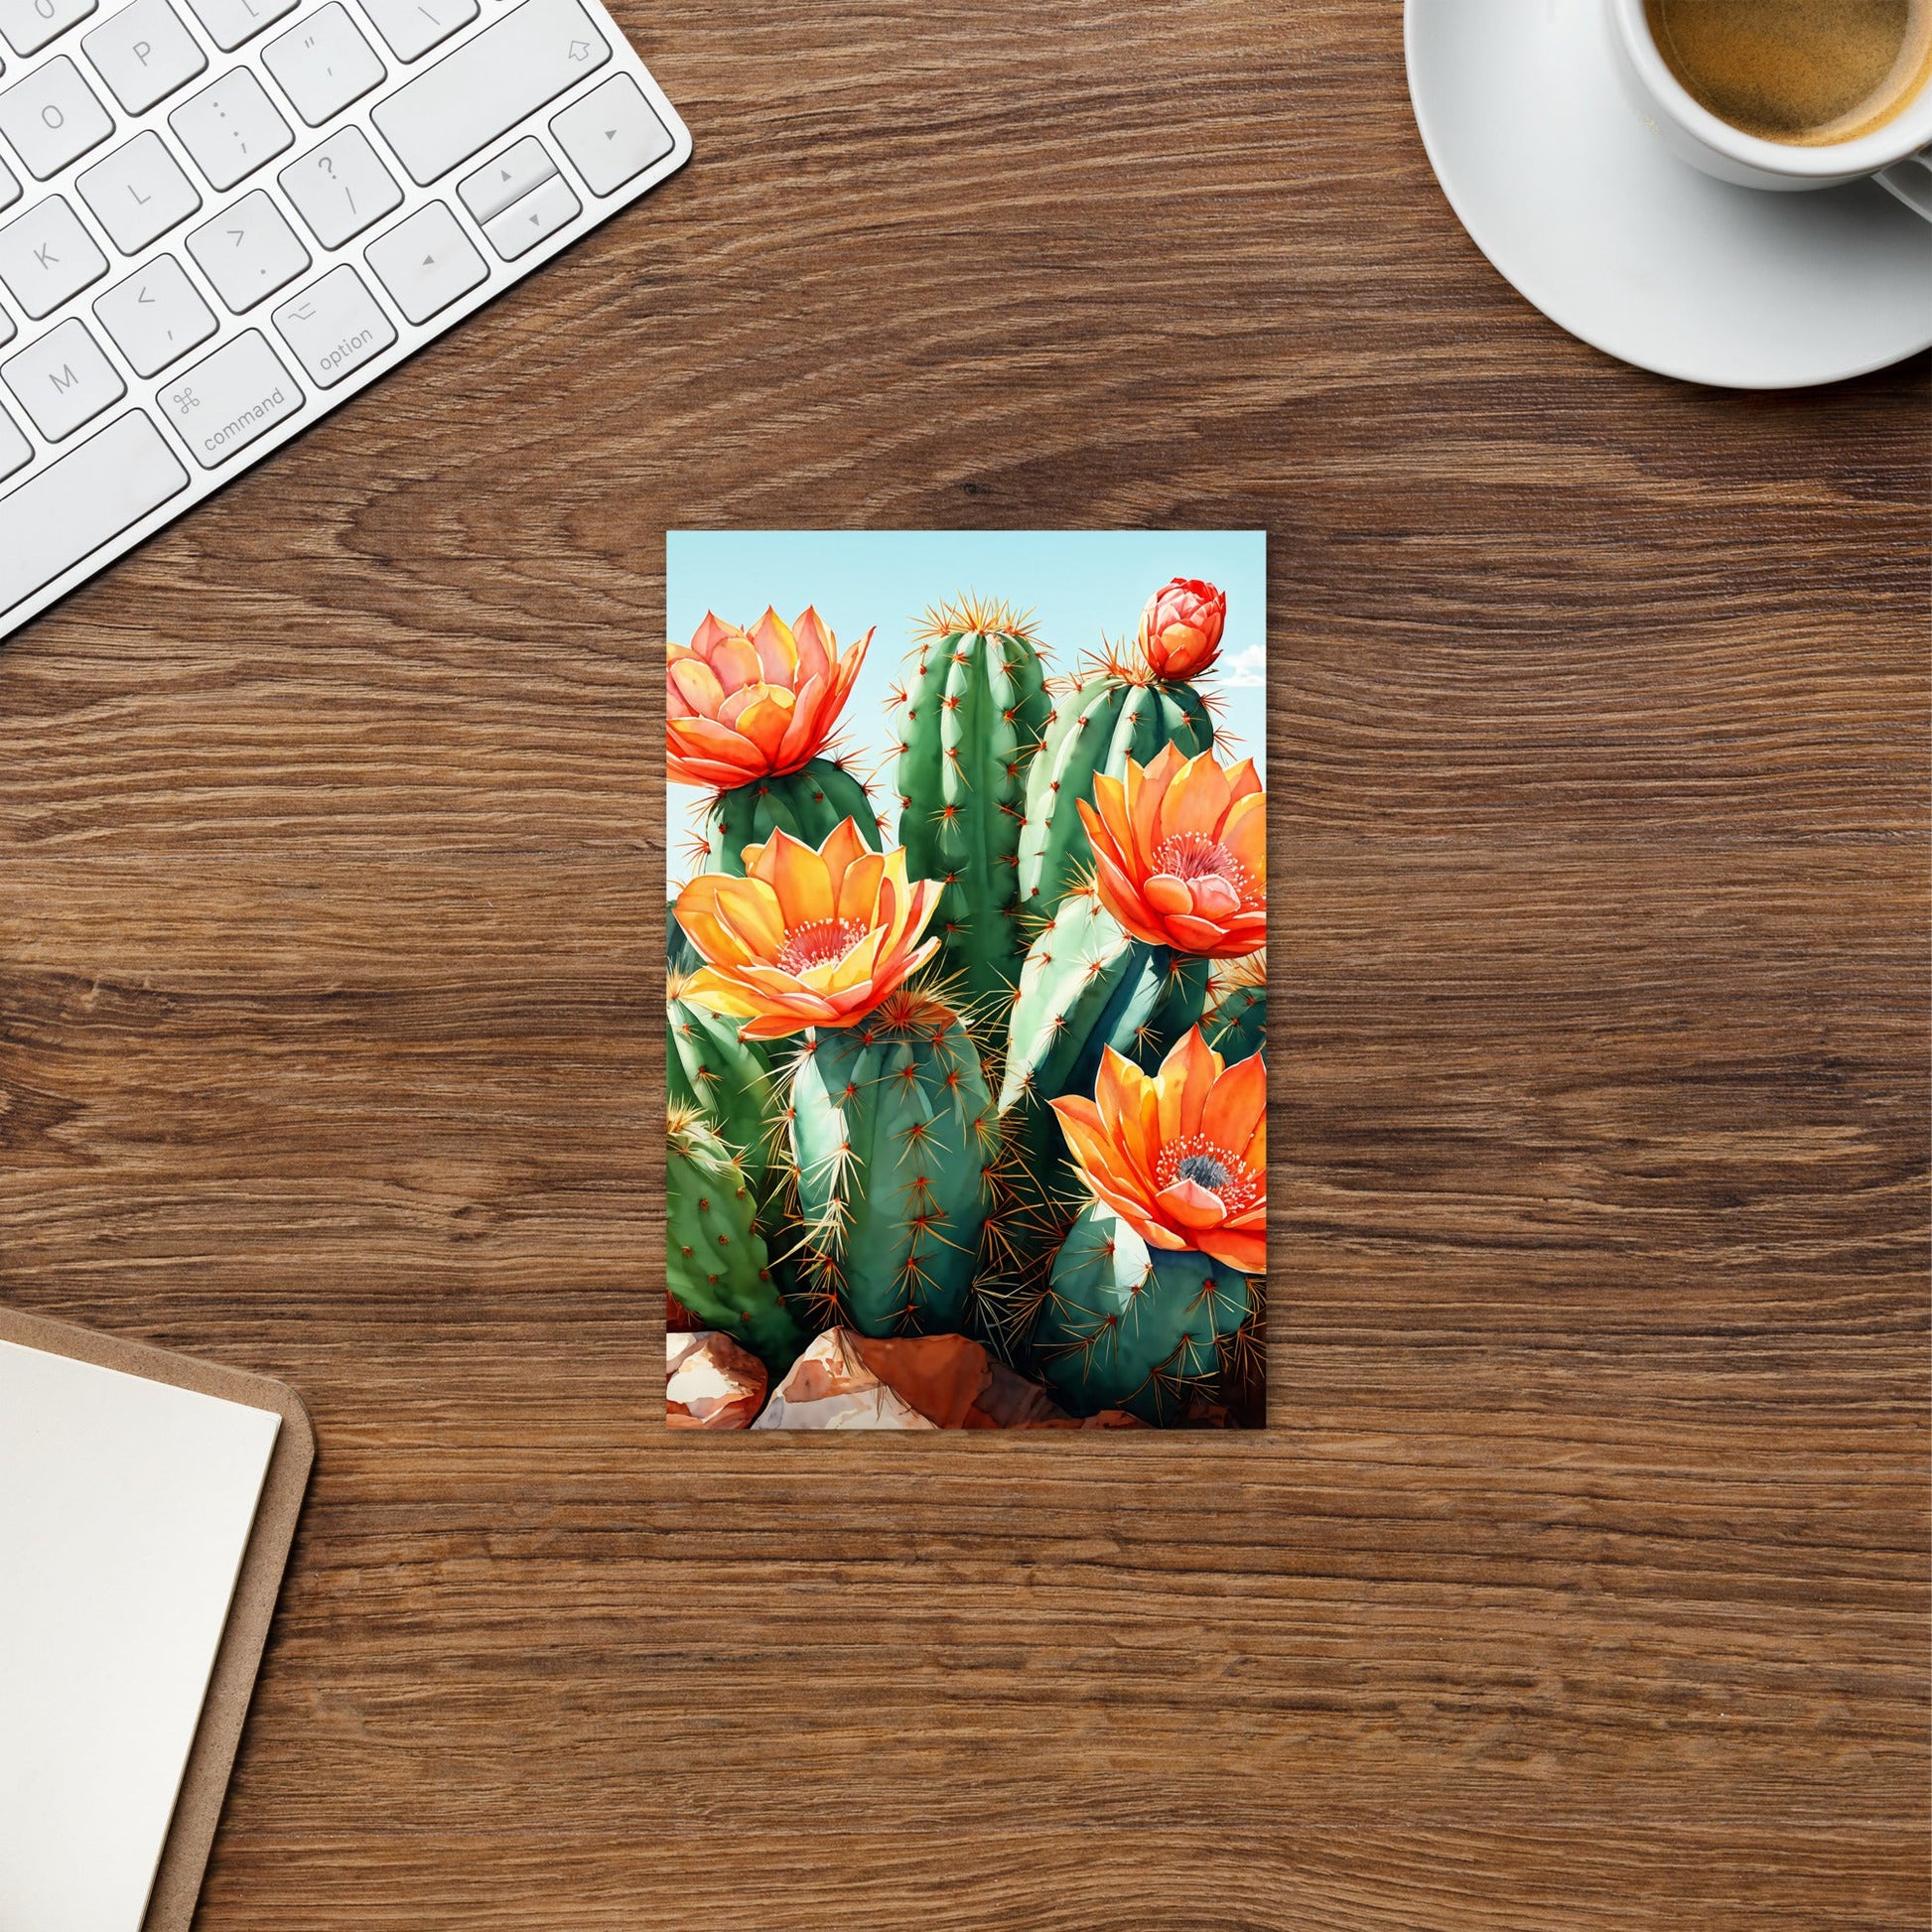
[1181, 853]
[806, 938]
[1181, 1156]
[743, 705]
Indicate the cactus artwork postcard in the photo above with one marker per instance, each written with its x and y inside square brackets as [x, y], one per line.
[967, 980]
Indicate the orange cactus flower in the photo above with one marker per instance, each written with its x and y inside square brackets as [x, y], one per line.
[1181, 853]
[1180, 629]
[743, 704]
[806, 938]
[1181, 1156]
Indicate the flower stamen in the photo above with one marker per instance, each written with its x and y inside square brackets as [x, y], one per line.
[820, 941]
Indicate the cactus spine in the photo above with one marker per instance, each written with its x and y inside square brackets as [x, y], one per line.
[1139, 1328]
[717, 1263]
[968, 724]
[891, 1128]
[809, 803]
[1096, 726]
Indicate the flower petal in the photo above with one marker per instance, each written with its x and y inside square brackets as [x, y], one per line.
[1198, 801]
[1188, 1204]
[1245, 1252]
[1236, 1103]
[1168, 893]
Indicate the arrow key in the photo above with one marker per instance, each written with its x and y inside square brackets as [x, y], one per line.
[537, 217]
[610, 135]
[426, 262]
[511, 175]
[156, 316]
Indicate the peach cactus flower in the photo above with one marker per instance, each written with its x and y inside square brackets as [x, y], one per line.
[743, 704]
[806, 938]
[1181, 1156]
[1181, 853]
[1180, 629]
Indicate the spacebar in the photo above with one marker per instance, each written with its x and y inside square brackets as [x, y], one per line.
[488, 84]
[90, 496]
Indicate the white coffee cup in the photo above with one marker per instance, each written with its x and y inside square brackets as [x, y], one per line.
[1898, 154]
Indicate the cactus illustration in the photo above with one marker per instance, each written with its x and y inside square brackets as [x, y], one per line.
[807, 803]
[891, 1128]
[708, 1066]
[717, 1262]
[1130, 1326]
[1096, 726]
[968, 722]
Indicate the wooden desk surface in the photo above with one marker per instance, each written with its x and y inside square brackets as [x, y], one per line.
[1582, 1579]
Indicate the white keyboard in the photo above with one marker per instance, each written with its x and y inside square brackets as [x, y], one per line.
[219, 218]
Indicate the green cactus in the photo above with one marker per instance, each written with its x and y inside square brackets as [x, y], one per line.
[1097, 727]
[1086, 986]
[1139, 1328]
[809, 803]
[709, 1067]
[680, 955]
[1236, 1026]
[716, 1259]
[891, 1128]
[968, 725]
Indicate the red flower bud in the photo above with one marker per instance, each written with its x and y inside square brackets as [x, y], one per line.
[1180, 629]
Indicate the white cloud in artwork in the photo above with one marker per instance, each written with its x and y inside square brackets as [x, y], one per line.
[1246, 670]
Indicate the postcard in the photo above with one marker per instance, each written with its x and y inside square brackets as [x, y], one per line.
[967, 981]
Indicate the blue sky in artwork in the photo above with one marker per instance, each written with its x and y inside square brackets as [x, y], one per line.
[1081, 585]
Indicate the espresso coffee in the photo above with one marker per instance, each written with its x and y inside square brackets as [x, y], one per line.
[1807, 72]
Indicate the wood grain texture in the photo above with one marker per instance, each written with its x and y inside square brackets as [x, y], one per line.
[1581, 1581]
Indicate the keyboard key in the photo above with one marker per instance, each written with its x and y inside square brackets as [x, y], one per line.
[610, 135]
[45, 256]
[231, 22]
[490, 84]
[237, 396]
[340, 188]
[6, 330]
[537, 217]
[144, 54]
[322, 65]
[9, 187]
[413, 27]
[15, 450]
[426, 262]
[63, 380]
[511, 175]
[156, 316]
[59, 518]
[248, 251]
[29, 24]
[53, 117]
[335, 327]
[231, 128]
[138, 193]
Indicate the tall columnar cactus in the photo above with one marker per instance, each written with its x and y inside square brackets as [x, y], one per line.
[1126, 1326]
[892, 1129]
[680, 955]
[1087, 986]
[1096, 726]
[968, 722]
[717, 1262]
[807, 803]
[709, 1067]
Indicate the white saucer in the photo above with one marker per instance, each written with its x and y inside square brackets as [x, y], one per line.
[1578, 203]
